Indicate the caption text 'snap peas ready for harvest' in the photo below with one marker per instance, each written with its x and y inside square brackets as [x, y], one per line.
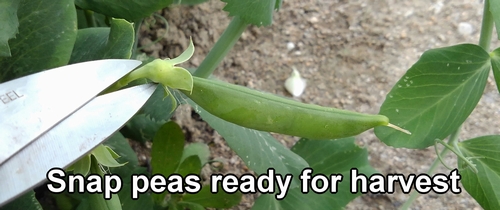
[267, 112]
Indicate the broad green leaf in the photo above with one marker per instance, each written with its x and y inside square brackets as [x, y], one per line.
[166, 153]
[47, 32]
[9, 23]
[324, 157]
[104, 157]
[484, 186]
[220, 199]
[495, 12]
[190, 165]
[128, 9]
[27, 201]
[435, 96]
[141, 128]
[256, 12]
[258, 150]
[104, 43]
[199, 149]
[495, 63]
[158, 107]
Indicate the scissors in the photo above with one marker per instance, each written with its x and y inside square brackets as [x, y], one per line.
[54, 117]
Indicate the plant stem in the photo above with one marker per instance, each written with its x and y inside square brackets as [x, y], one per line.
[89, 17]
[137, 28]
[414, 194]
[221, 48]
[486, 27]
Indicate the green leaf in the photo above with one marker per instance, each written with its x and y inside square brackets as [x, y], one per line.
[325, 157]
[141, 128]
[192, 2]
[128, 9]
[144, 202]
[256, 12]
[159, 108]
[104, 43]
[96, 200]
[166, 153]
[120, 145]
[27, 201]
[435, 96]
[9, 23]
[184, 56]
[47, 32]
[190, 165]
[190, 206]
[495, 63]
[258, 150]
[495, 12]
[104, 157]
[199, 149]
[484, 186]
[179, 78]
[81, 166]
[220, 199]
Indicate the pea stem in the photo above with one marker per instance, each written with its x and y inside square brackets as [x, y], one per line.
[414, 194]
[221, 47]
[486, 27]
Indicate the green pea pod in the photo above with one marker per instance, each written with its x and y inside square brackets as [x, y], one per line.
[267, 112]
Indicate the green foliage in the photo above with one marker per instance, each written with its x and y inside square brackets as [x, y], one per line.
[127, 9]
[45, 38]
[324, 157]
[435, 96]
[484, 186]
[495, 12]
[141, 128]
[206, 198]
[25, 202]
[432, 100]
[9, 23]
[103, 42]
[166, 153]
[495, 64]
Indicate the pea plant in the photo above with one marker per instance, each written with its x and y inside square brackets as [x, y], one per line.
[426, 107]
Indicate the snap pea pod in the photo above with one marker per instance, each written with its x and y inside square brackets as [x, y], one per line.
[267, 112]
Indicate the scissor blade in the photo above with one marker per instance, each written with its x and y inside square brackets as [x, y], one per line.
[69, 140]
[33, 104]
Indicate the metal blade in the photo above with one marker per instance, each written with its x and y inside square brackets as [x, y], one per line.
[69, 140]
[33, 104]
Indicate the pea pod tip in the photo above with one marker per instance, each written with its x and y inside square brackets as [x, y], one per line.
[398, 128]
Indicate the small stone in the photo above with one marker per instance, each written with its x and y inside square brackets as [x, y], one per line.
[290, 46]
[465, 28]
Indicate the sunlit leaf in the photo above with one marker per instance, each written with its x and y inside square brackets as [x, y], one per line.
[435, 96]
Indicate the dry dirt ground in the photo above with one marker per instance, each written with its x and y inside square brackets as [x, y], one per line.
[350, 52]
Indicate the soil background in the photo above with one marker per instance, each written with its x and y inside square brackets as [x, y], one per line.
[350, 52]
